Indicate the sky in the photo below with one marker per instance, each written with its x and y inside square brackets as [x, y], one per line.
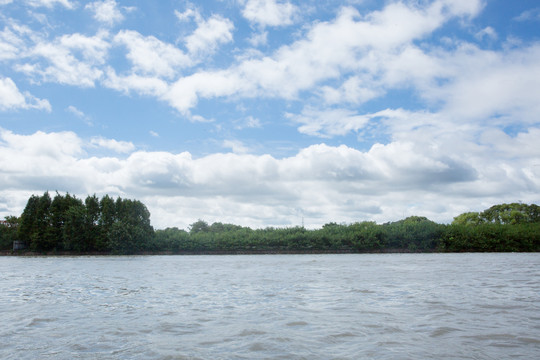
[272, 112]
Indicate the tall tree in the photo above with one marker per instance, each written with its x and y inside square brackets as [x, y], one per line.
[75, 232]
[108, 216]
[29, 224]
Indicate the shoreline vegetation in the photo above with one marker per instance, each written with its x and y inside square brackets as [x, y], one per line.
[67, 226]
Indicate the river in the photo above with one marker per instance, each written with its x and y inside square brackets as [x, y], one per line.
[372, 306]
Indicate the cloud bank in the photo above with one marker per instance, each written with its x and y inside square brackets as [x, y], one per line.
[319, 183]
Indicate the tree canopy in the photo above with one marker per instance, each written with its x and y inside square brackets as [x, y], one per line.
[66, 223]
[512, 214]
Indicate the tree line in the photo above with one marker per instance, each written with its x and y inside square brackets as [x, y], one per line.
[121, 226]
[68, 224]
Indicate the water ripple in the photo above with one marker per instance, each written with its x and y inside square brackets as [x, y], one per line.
[406, 306]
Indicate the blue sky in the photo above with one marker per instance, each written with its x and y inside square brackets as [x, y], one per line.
[264, 112]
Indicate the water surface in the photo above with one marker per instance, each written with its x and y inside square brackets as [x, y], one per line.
[385, 306]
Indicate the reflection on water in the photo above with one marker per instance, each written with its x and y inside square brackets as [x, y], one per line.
[388, 306]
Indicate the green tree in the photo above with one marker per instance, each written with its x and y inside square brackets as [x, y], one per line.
[29, 221]
[108, 216]
[132, 231]
[42, 239]
[468, 218]
[58, 209]
[9, 232]
[92, 216]
[76, 229]
[515, 213]
[121, 239]
[198, 227]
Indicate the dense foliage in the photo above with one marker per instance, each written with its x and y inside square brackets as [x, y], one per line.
[8, 232]
[507, 214]
[67, 224]
[413, 234]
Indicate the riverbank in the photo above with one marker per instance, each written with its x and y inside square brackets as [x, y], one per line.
[222, 252]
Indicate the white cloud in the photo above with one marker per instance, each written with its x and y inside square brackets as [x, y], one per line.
[70, 59]
[111, 144]
[464, 8]
[184, 93]
[80, 114]
[198, 118]
[353, 90]
[209, 34]
[258, 39]
[529, 15]
[270, 12]
[249, 122]
[51, 3]
[154, 61]
[145, 85]
[11, 98]
[11, 43]
[236, 146]
[488, 32]
[329, 123]
[106, 11]
[190, 13]
[151, 56]
[492, 84]
[36, 157]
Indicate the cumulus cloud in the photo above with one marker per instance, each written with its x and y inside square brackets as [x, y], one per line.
[155, 62]
[151, 56]
[353, 90]
[73, 59]
[236, 146]
[111, 144]
[39, 156]
[270, 12]
[328, 123]
[258, 39]
[190, 13]
[492, 84]
[11, 98]
[209, 34]
[145, 85]
[51, 3]
[106, 11]
[328, 183]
